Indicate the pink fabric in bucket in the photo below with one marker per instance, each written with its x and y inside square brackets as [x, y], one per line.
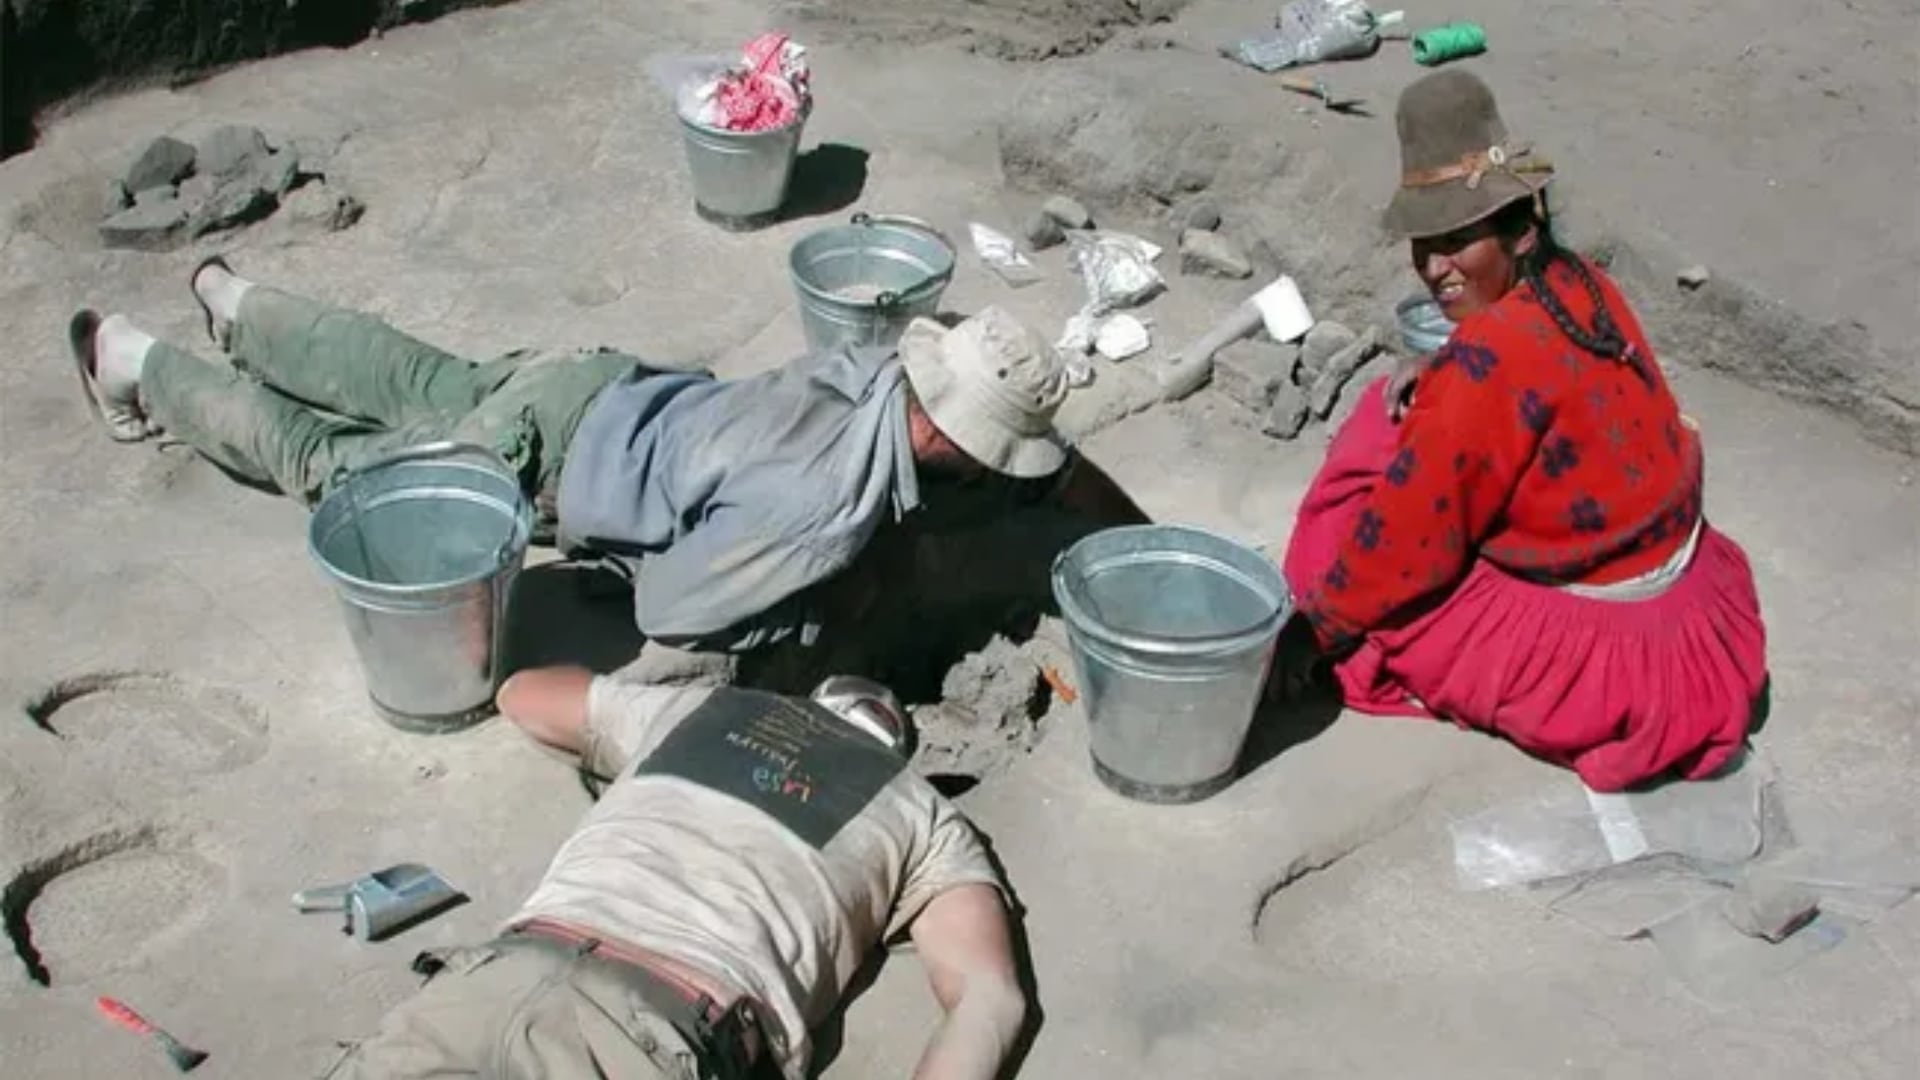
[1621, 692]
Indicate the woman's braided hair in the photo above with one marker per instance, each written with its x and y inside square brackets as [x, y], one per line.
[1604, 339]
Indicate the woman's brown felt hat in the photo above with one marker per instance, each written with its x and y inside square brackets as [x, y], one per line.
[1457, 163]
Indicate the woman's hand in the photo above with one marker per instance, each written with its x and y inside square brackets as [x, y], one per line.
[1401, 383]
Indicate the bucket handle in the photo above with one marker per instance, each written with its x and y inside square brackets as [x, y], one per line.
[425, 452]
[892, 299]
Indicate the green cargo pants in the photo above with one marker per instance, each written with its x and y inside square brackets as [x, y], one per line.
[314, 392]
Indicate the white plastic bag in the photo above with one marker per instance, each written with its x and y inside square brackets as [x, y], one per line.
[1002, 255]
[1117, 268]
[1310, 31]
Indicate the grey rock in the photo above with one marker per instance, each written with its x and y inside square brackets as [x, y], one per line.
[1341, 367]
[166, 160]
[1070, 212]
[1322, 344]
[236, 202]
[197, 189]
[160, 193]
[1043, 231]
[1288, 413]
[1252, 372]
[114, 197]
[231, 151]
[1199, 214]
[1695, 276]
[277, 172]
[156, 225]
[321, 206]
[1209, 253]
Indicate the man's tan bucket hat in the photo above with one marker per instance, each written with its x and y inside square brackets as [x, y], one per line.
[1457, 163]
[992, 386]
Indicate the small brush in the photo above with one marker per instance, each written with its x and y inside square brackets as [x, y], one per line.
[184, 1057]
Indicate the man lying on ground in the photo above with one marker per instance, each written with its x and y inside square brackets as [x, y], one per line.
[749, 854]
[726, 503]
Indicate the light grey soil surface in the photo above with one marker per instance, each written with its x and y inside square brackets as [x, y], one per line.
[191, 743]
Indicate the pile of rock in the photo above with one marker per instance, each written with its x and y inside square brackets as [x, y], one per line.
[1048, 226]
[1287, 385]
[1204, 249]
[175, 191]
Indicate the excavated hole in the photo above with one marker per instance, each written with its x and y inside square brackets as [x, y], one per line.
[103, 902]
[168, 725]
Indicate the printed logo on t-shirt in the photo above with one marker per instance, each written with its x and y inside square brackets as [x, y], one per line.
[789, 757]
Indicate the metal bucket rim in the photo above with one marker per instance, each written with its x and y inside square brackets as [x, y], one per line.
[1080, 620]
[1421, 312]
[935, 281]
[1414, 300]
[510, 552]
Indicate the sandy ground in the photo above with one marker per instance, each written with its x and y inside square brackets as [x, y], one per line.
[192, 744]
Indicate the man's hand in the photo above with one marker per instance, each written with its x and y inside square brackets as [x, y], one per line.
[964, 944]
[1400, 384]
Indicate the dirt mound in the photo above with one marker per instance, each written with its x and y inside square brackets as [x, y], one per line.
[1146, 131]
[1007, 29]
[987, 717]
[1150, 132]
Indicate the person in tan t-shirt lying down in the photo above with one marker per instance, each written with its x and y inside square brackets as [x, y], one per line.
[749, 853]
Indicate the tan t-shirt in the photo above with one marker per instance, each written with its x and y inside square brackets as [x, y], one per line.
[757, 838]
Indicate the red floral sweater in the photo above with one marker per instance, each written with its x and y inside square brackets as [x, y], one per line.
[1528, 451]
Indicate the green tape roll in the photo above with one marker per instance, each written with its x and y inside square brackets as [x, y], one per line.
[1449, 42]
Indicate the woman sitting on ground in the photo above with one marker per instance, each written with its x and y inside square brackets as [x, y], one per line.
[1508, 534]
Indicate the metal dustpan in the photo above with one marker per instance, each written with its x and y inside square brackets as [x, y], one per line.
[384, 902]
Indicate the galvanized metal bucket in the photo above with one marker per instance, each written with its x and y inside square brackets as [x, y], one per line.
[1173, 632]
[1424, 328]
[422, 548]
[863, 282]
[740, 177]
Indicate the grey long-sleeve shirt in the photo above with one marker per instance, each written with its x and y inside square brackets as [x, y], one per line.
[727, 499]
